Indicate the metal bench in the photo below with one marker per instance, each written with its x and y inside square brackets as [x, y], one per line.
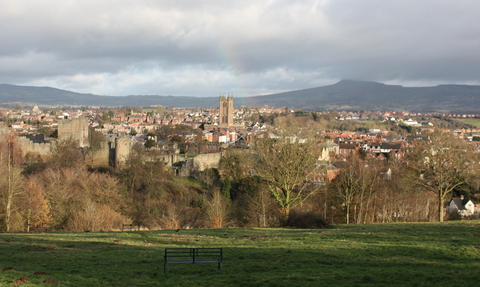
[192, 256]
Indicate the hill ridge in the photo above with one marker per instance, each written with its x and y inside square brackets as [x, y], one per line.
[345, 94]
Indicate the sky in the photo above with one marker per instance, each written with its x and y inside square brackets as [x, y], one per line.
[204, 48]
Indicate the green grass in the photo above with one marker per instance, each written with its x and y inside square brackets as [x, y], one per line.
[470, 121]
[413, 254]
[370, 123]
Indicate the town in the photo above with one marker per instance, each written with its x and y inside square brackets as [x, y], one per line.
[240, 143]
[215, 146]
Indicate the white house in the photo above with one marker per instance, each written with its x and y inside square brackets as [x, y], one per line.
[464, 206]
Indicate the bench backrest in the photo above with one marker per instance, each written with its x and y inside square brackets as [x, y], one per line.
[193, 253]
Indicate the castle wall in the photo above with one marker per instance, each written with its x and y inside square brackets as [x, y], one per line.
[116, 150]
[169, 159]
[100, 157]
[205, 161]
[35, 149]
[199, 163]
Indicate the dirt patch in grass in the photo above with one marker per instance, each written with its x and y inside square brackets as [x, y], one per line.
[24, 278]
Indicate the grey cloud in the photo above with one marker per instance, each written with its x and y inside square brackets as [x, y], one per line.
[251, 47]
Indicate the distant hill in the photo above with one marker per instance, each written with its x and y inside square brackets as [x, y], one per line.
[12, 94]
[344, 95]
[352, 95]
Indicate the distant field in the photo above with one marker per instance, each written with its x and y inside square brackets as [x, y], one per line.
[372, 123]
[473, 122]
[400, 254]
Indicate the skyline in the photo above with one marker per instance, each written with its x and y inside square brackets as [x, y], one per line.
[247, 48]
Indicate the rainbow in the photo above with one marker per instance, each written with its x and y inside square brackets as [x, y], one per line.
[231, 59]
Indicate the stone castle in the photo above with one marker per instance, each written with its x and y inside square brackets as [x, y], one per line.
[113, 151]
[74, 129]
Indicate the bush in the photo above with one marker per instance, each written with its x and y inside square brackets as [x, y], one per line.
[454, 215]
[300, 219]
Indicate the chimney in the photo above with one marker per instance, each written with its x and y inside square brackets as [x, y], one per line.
[462, 197]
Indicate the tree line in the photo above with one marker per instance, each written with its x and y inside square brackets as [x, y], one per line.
[267, 185]
[412, 189]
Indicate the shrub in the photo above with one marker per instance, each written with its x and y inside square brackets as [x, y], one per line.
[301, 219]
[454, 215]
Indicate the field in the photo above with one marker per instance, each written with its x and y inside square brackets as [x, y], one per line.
[399, 254]
[473, 122]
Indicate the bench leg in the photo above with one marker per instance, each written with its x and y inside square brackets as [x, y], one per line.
[165, 268]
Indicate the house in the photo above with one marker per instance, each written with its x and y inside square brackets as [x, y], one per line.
[322, 173]
[18, 125]
[346, 149]
[464, 206]
[220, 137]
[136, 118]
[383, 150]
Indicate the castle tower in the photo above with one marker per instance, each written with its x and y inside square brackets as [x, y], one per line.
[122, 150]
[75, 129]
[226, 110]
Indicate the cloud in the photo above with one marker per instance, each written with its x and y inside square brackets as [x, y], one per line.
[203, 48]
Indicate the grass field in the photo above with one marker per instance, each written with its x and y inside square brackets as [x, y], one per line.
[473, 122]
[370, 123]
[400, 254]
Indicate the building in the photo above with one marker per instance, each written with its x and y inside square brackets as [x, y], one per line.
[226, 111]
[74, 129]
[463, 205]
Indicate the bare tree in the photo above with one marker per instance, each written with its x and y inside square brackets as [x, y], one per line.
[261, 208]
[368, 185]
[11, 178]
[66, 154]
[217, 209]
[35, 206]
[284, 165]
[80, 200]
[355, 181]
[442, 165]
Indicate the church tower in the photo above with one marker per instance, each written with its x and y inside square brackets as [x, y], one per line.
[226, 110]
